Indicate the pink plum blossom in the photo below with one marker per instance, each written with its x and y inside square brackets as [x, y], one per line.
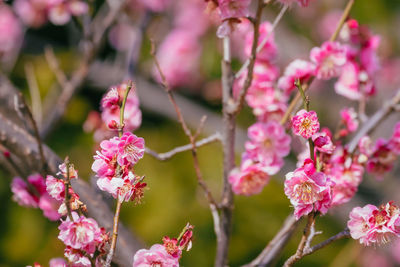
[323, 142]
[10, 29]
[394, 141]
[58, 262]
[348, 83]
[329, 59]
[22, 195]
[249, 180]
[268, 144]
[105, 162]
[110, 106]
[372, 225]
[382, 159]
[72, 173]
[49, 206]
[76, 257]
[305, 123]
[126, 189]
[308, 190]
[55, 187]
[269, 51]
[347, 180]
[81, 233]
[130, 149]
[155, 256]
[233, 8]
[178, 56]
[297, 70]
[349, 119]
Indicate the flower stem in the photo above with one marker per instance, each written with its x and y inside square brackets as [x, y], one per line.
[115, 234]
[122, 110]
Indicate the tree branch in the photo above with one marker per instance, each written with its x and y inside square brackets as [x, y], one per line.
[168, 155]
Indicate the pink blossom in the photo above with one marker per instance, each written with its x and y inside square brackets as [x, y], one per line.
[130, 149]
[249, 180]
[374, 225]
[366, 146]
[394, 141]
[32, 13]
[22, 195]
[260, 95]
[233, 9]
[58, 262]
[297, 69]
[171, 246]
[368, 57]
[155, 256]
[347, 180]
[126, 189]
[268, 144]
[72, 173]
[111, 99]
[77, 257]
[323, 142]
[105, 163]
[381, 160]
[178, 56]
[305, 123]
[349, 118]
[111, 110]
[348, 83]
[10, 29]
[187, 10]
[359, 223]
[308, 190]
[329, 59]
[269, 51]
[82, 233]
[49, 206]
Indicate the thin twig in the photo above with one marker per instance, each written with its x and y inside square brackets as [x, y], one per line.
[168, 155]
[115, 234]
[387, 108]
[55, 66]
[344, 234]
[252, 59]
[275, 246]
[67, 184]
[122, 110]
[185, 128]
[303, 242]
[28, 112]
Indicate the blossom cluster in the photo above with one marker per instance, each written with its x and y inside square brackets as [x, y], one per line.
[35, 13]
[374, 225]
[109, 118]
[168, 254]
[32, 193]
[114, 163]
[82, 237]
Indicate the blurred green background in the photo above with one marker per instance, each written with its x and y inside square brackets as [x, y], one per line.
[174, 197]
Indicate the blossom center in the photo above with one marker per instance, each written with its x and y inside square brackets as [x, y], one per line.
[305, 192]
[80, 233]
